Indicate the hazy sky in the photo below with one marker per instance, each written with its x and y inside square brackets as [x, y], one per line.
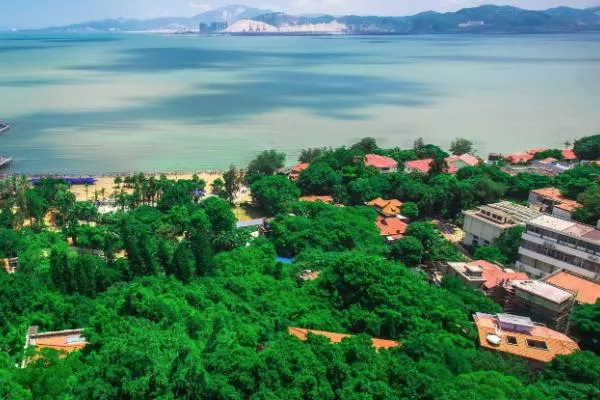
[40, 13]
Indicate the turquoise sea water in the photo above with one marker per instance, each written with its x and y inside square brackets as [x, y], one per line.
[110, 103]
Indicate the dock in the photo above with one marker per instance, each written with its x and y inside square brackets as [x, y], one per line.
[4, 161]
[3, 127]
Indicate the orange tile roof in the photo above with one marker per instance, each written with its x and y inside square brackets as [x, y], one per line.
[466, 158]
[391, 226]
[420, 165]
[312, 199]
[587, 291]
[556, 342]
[62, 341]
[495, 275]
[554, 195]
[533, 152]
[386, 207]
[518, 158]
[377, 161]
[297, 170]
[333, 337]
[569, 155]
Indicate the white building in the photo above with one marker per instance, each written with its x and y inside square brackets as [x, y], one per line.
[485, 224]
[550, 201]
[551, 244]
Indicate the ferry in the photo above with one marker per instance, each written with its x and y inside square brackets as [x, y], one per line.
[4, 161]
[3, 126]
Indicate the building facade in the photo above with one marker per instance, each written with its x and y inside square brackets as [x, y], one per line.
[551, 244]
[550, 201]
[485, 224]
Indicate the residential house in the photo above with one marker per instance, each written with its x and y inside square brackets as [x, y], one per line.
[551, 244]
[385, 165]
[485, 224]
[387, 208]
[569, 155]
[541, 301]
[518, 158]
[314, 199]
[297, 170]
[586, 290]
[481, 274]
[551, 201]
[391, 228]
[334, 338]
[521, 337]
[65, 341]
[455, 163]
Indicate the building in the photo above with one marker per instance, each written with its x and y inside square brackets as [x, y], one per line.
[387, 208]
[481, 274]
[455, 163]
[518, 158]
[314, 199]
[218, 26]
[333, 337]
[551, 244]
[203, 27]
[62, 341]
[550, 201]
[391, 228]
[569, 155]
[10, 265]
[541, 301]
[586, 290]
[297, 171]
[385, 165]
[485, 224]
[519, 336]
[307, 275]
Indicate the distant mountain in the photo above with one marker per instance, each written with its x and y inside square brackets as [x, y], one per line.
[227, 14]
[483, 19]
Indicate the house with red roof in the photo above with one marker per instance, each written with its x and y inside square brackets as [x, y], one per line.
[387, 208]
[551, 201]
[454, 164]
[313, 199]
[481, 274]
[518, 158]
[586, 290]
[569, 155]
[391, 228]
[64, 342]
[421, 166]
[385, 165]
[297, 171]
[335, 337]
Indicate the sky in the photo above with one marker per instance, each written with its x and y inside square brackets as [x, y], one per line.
[42, 13]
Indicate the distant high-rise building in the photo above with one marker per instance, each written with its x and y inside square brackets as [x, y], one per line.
[203, 28]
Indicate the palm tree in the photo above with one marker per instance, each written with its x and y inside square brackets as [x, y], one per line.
[567, 144]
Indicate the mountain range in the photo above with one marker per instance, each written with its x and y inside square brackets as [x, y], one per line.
[247, 20]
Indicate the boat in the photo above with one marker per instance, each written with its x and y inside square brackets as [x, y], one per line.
[3, 126]
[4, 161]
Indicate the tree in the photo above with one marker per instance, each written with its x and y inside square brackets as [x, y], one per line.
[586, 326]
[232, 179]
[408, 250]
[418, 143]
[275, 194]
[118, 180]
[265, 164]
[309, 155]
[509, 243]
[550, 153]
[490, 253]
[426, 232]
[587, 148]
[217, 186]
[410, 210]
[460, 146]
[219, 213]
[183, 264]
[589, 213]
[367, 145]
[199, 236]
[438, 166]
[319, 179]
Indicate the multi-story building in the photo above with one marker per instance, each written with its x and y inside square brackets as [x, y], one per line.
[551, 244]
[550, 201]
[485, 224]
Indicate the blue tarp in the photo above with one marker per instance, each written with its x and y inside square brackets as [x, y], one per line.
[69, 180]
[284, 260]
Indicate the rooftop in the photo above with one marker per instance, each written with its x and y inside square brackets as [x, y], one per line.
[574, 229]
[587, 291]
[554, 195]
[420, 165]
[540, 344]
[569, 154]
[518, 158]
[543, 290]
[492, 275]
[466, 158]
[518, 214]
[391, 226]
[312, 199]
[333, 337]
[387, 207]
[377, 161]
[297, 170]
[68, 340]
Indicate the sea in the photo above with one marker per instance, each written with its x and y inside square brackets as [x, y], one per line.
[110, 103]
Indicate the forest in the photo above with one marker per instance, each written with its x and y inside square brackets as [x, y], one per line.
[176, 302]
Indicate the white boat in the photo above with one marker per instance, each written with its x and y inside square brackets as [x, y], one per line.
[4, 161]
[4, 126]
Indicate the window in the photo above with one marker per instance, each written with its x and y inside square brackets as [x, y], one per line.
[512, 340]
[537, 344]
[74, 339]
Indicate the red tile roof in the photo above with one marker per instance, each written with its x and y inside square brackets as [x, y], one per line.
[466, 158]
[518, 158]
[569, 155]
[297, 170]
[386, 207]
[313, 199]
[333, 337]
[554, 195]
[374, 160]
[391, 226]
[419, 165]
[533, 152]
[587, 291]
[556, 342]
[495, 275]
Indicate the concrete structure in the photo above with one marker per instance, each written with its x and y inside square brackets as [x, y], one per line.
[521, 337]
[485, 224]
[550, 201]
[586, 290]
[551, 244]
[482, 274]
[62, 341]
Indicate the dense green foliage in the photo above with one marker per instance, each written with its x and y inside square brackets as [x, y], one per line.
[178, 304]
[588, 148]
[460, 146]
